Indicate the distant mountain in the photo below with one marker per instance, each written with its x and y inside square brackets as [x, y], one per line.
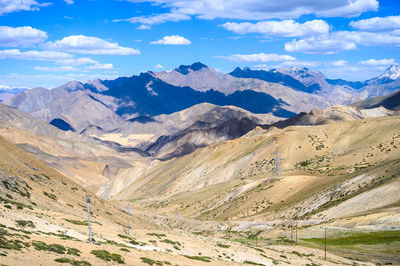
[6, 93]
[73, 103]
[341, 82]
[391, 102]
[185, 69]
[392, 73]
[208, 78]
[139, 104]
[148, 95]
[384, 84]
[275, 76]
[185, 142]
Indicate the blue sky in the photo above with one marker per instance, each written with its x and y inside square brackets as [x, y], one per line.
[47, 43]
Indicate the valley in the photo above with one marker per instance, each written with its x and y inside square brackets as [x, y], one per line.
[251, 167]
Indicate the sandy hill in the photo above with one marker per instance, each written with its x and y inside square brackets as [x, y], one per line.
[43, 222]
[391, 102]
[329, 173]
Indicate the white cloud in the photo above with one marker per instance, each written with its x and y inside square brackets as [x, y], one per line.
[259, 9]
[69, 2]
[158, 66]
[342, 41]
[298, 64]
[21, 36]
[9, 6]
[368, 38]
[77, 61]
[261, 57]
[5, 87]
[101, 66]
[381, 62]
[17, 80]
[90, 45]
[147, 21]
[339, 63]
[262, 66]
[34, 55]
[285, 28]
[143, 27]
[172, 40]
[377, 24]
[55, 69]
[319, 46]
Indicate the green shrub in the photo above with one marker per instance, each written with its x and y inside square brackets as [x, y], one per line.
[24, 223]
[74, 251]
[73, 262]
[157, 235]
[57, 248]
[63, 260]
[202, 258]
[77, 222]
[10, 244]
[49, 195]
[223, 245]
[107, 256]
[153, 262]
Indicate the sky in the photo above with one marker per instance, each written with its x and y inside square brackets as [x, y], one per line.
[46, 43]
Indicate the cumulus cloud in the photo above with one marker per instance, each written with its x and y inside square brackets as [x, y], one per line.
[48, 80]
[368, 38]
[172, 40]
[148, 21]
[143, 27]
[319, 46]
[339, 63]
[69, 2]
[77, 61]
[90, 45]
[55, 69]
[377, 24]
[342, 41]
[284, 28]
[260, 9]
[9, 6]
[101, 66]
[261, 57]
[34, 55]
[158, 66]
[21, 36]
[380, 62]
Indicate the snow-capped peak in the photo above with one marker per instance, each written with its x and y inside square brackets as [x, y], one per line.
[393, 72]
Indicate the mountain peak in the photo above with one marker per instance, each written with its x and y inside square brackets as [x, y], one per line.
[393, 72]
[185, 69]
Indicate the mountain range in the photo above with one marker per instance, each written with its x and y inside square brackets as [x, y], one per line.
[171, 113]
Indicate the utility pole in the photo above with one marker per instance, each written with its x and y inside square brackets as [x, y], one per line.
[325, 243]
[179, 222]
[291, 235]
[88, 210]
[128, 217]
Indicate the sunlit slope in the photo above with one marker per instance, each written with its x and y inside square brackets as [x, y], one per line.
[328, 171]
[43, 221]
